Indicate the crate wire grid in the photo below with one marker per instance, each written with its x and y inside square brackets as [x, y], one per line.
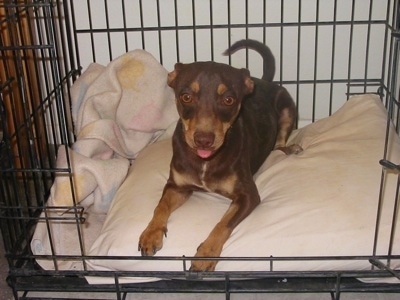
[296, 33]
[42, 62]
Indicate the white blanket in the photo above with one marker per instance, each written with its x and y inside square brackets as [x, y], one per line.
[117, 110]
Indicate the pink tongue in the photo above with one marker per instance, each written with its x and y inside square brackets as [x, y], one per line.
[204, 153]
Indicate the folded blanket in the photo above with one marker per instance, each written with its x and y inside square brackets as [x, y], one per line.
[59, 236]
[117, 110]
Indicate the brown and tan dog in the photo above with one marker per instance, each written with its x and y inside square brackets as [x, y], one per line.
[229, 123]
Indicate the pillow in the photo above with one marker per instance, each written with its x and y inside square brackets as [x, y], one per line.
[321, 202]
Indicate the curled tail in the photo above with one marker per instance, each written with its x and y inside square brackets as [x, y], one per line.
[263, 50]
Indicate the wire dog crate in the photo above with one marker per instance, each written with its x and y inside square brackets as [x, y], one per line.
[326, 51]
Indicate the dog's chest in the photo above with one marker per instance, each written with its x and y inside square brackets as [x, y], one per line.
[199, 179]
[202, 175]
[206, 179]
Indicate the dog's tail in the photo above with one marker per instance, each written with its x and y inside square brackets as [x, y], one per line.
[263, 50]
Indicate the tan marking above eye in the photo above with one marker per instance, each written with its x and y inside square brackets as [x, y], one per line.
[221, 89]
[195, 87]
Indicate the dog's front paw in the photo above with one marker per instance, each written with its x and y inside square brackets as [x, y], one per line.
[205, 265]
[151, 240]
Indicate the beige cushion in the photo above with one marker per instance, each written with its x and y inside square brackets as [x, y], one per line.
[322, 202]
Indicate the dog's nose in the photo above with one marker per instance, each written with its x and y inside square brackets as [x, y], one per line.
[204, 139]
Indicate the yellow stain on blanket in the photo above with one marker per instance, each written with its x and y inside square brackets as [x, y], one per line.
[63, 194]
[131, 70]
[84, 184]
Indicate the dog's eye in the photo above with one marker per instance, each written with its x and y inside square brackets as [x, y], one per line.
[186, 98]
[228, 101]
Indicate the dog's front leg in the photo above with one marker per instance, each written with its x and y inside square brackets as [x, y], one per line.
[241, 206]
[151, 239]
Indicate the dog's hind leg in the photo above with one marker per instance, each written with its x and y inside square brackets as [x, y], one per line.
[286, 122]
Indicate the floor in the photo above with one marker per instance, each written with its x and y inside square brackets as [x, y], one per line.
[5, 291]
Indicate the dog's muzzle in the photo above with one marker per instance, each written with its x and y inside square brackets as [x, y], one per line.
[204, 142]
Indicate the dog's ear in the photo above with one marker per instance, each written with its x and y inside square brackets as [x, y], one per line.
[248, 82]
[172, 75]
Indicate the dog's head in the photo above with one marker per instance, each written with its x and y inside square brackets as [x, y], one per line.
[208, 98]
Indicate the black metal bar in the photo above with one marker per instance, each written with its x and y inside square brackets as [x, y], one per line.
[211, 30]
[298, 58]
[141, 29]
[159, 31]
[281, 43]
[229, 26]
[70, 25]
[315, 63]
[124, 24]
[351, 38]
[110, 54]
[225, 26]
[178, 56]
[194, 30]
[330, 283]
[333, 58]
[367, 47]
[387, 58]
[382, 266]
[264, 18]
[246, 13]
[91, 30]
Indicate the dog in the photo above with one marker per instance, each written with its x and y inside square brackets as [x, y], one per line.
[229, 123]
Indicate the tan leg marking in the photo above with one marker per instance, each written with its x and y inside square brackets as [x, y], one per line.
[151, 240]
[242, 205]
[212, 246]
[285, 127]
